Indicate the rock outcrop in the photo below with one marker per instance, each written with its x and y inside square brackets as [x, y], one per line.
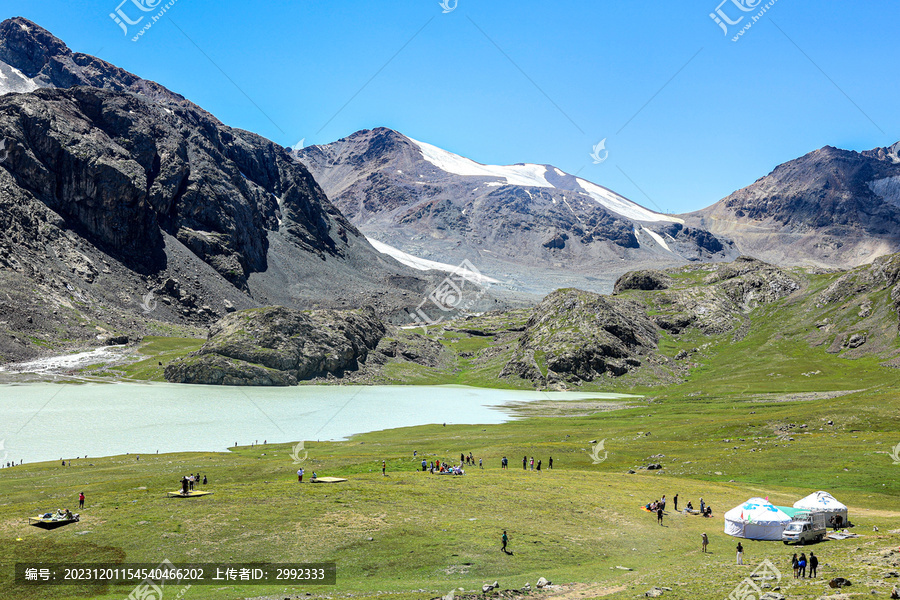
[642, 280]
[574, 335]
[280, 346]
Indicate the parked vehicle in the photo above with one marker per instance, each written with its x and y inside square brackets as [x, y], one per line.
[804, 528]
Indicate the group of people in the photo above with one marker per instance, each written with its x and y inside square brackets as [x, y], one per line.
[61, 514]
[188, 482]
[468, 459]
[705, 509]
[657, 506]
[444, 467]
[301, 472]
[800, 564]
[11, 464]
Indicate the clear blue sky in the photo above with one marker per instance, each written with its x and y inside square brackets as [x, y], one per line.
[689, 115]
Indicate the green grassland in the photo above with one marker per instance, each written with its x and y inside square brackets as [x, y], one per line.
[416, 531]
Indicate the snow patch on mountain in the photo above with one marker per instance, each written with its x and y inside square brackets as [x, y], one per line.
[13, 80]
[423, 264]
[621, 205]
[657, 238]
[521, 174]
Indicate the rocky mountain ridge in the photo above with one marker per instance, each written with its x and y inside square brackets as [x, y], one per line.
[829, 208]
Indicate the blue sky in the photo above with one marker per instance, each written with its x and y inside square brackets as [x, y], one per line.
[688, 114]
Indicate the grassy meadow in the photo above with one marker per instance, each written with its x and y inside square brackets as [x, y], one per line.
[770, 412]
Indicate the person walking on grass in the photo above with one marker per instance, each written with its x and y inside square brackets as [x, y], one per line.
[704, 540]
[659, 515]
[504, 539]
[81, 504]
[813, 565]
[740, 554]
[550, 463]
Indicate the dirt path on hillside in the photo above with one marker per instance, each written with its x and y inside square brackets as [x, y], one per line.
[577, 591]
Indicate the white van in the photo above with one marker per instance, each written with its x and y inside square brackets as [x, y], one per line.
[805, 527]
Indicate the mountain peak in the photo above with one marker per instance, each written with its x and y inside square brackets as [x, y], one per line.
[43, 60]
[28, 46]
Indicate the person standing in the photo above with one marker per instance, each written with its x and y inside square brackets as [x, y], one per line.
[299, 475]
[539, 466]
[504, 540]
[702, 507]
[81, 503]
[813, 565]
[532, 463]
[424, 465]
[480, 464]
[204, 480]
[705, 541]
[525, 463]
[795, 564]
[801, 563]
[740, 554]
[659, 515]
[384, 468]
[191, 482]
[662, 502]
[503, 463]
[675, 502]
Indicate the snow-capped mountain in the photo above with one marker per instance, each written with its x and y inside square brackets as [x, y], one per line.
[533, 226]
[544, 176]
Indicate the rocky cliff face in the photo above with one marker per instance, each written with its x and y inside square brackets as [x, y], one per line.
[533, 226]
[116, 191]
[831, 207]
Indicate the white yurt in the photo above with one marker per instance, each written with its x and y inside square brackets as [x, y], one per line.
[756, 519]
[823, 502]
